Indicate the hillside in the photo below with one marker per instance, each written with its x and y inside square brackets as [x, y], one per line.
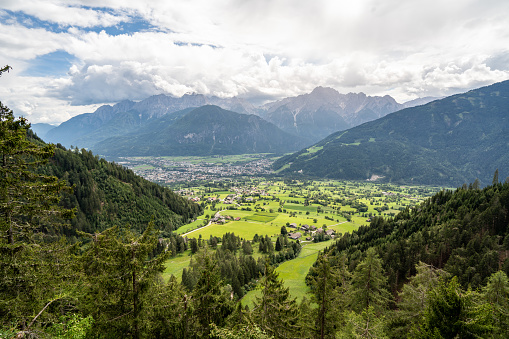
[445, 142]
[107, 194]
[208, 130]
[463, 231]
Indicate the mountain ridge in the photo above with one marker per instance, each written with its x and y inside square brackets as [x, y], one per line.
[449, 141]
[207, 130]
[86, 129]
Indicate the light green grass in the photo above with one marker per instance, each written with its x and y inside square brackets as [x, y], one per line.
[189, 227]
[293, 272]
[296, 207]
[176, 265]
[243, 229]
[262, 217]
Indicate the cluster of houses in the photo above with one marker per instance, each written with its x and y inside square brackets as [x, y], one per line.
[168, 171]
[307, 228]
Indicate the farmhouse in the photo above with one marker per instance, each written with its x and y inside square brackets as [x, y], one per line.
[294, 236]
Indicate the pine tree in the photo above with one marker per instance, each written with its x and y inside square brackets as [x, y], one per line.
[119, 275]
[414, 297]
[275, 312]
[29, 283]
[453, 313]
[495, 178]
[369, 284]
[212, 304]
[322, 287]
[496, 293]
[278, 244]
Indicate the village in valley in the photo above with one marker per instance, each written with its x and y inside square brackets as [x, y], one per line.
[167, 170]
[308, 210]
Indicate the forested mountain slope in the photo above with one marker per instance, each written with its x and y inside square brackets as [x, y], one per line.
[207, 130]
[107, 194]
[446, 142]
[465, 232]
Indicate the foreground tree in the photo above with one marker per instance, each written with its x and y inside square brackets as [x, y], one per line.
[330, 285]
[212, 302]
[369, 284]
[34, 273]
[119, 279]
[496, 293]
[275, 312]
[453, 313]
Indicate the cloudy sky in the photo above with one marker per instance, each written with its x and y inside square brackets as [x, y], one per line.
[70, 56]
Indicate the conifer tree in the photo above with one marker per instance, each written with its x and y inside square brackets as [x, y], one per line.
[369, 284]
[496, 293]
[119, 275]
[212, 303]
[453, 313]
[28, 282]
[275, 312]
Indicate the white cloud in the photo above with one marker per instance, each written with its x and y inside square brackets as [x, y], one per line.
[64, 12]
[257, 49]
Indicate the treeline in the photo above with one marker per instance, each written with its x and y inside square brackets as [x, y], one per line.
[107, 194]
[237, 267]
[464, 232]
[438, 270]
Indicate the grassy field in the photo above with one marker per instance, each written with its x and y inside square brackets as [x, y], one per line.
[176, 265]
[244, 229]
[293, 272]
[265, 206]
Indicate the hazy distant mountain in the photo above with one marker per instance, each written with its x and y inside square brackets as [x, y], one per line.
[85, 130]
[448, 142]
[205, 130]
[311, 116]
[41, 129]
[325, 111]
[420, 101]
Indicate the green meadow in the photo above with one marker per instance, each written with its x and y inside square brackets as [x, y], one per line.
[263, 207]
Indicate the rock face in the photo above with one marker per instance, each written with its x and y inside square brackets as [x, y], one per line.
[325, 111]
[310, 116]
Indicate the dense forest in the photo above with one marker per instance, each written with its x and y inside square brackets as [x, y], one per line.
[106, 194]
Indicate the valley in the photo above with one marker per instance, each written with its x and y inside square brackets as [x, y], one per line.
[313, 213]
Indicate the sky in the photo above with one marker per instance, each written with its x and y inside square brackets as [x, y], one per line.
[69, 56]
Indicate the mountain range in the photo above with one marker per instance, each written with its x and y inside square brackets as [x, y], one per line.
[450, 141]
[311, 116]
[207, 130]
[325, 111]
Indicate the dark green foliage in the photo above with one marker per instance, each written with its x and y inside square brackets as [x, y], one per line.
[452, 313]
[247, 249]
[369, 284]
[205, 130]
[496, 293]
[107, 194]
[461, 231]
[265, 245]
[36, 275]
[212, 303]
[238, 271]
[275, 311]
[446, 142]
[119, 279]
